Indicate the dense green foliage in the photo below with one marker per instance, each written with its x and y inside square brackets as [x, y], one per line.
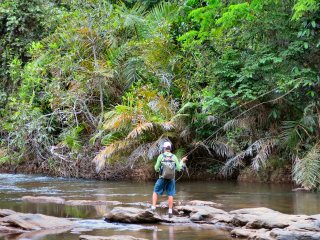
[233, 81]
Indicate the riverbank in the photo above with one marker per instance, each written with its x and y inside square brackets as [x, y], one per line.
[144, 172]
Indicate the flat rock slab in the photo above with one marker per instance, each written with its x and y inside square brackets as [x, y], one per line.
[250, 233]
[115, 237]
[132, 215]
[41, 234]
[283, 234]
[43, 199]
[176, 219]
[203, 203]
[11, 230]
[91, 202]
[6, 212]
[257, 218]
[31, 222]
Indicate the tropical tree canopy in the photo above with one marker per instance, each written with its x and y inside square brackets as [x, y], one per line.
[235, 84]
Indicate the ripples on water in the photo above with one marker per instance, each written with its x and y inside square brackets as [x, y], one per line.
[231, 195]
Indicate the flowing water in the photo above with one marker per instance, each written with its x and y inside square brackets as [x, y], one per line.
[89, 218]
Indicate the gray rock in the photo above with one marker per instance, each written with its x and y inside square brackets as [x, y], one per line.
[257, 218]
[43, 199]
[11, 230]
[314, 217]
[283, 234]
[30, 222]
[6, 212]
[41, 234]
[176, 219]
[132, 215]
[305, 225]
[205, 213]
[261, 234]
[115, 237]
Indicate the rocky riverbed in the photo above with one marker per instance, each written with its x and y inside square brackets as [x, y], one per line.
[248, 223]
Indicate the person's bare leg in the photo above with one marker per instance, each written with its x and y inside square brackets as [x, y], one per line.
[154, 199]
[170, 202]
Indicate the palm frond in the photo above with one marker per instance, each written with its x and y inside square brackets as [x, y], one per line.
[186, 108]
[119, 118]
[306, 171]
[243, 123]
[131, 16]
[139, 152]
[111, 137]
[163, 11]
[110, 150]
[185, 134]
[180, 120]
[221, 149]
[291, 134]
[211, 119]
[130, 71]
[155, 147]
[167, 126]
[264, 149]
[204, 146]
[260, 150]
[309, 119]
[232, 164]
[140, 129]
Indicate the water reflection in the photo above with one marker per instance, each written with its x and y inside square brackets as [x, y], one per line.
[170, 234]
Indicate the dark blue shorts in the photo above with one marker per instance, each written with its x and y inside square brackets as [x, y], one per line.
[165, 185]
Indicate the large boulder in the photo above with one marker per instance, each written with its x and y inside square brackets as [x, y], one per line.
[257, 218]
[31, 222]
[132, 215]
[115, 237]
[43, 199]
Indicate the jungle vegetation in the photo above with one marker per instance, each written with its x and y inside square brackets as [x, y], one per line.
[234, 84]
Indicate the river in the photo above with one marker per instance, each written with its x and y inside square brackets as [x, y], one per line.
[232, 195]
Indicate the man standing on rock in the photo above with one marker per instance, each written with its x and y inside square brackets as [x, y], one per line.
[166, 164]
